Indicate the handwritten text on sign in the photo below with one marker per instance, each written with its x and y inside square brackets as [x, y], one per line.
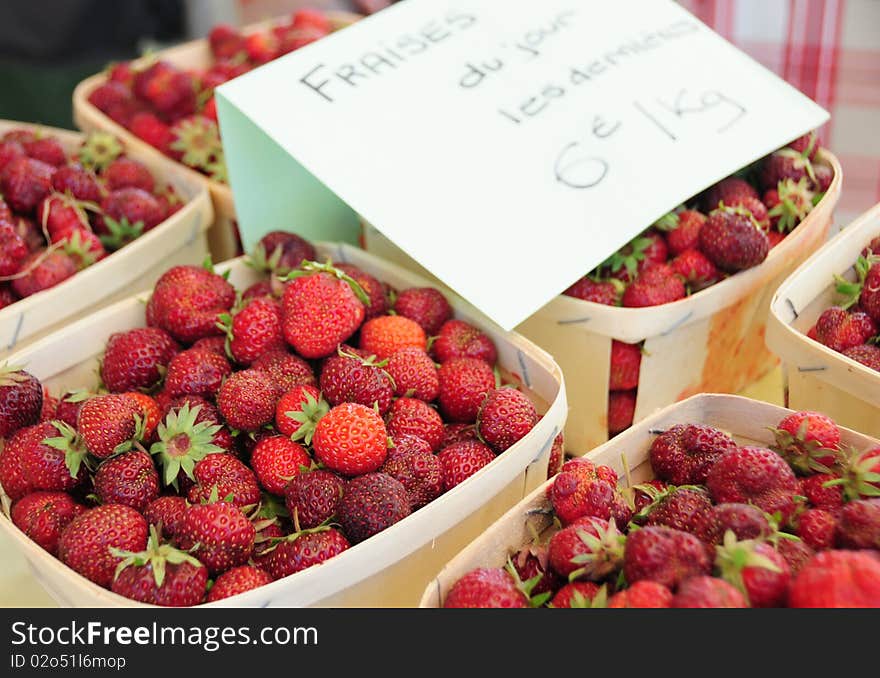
[510, 146]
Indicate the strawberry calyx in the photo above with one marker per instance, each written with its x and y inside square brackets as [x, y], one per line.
[313, 410]
[369, 361]
[121, 232]
[198, 140]
[802, 455]
[182, 442]
[796, 201]
[12, 374]
[858, 477]
[801, 160]
[259, 260]
[157, 555]
[99, 150]
[732, 557]
[606, 551]
[657, 497]
[629, 256]
[526, 587]
[74, 246]
[72, 444]
[850, 290]
[669, 221]
[310, 267]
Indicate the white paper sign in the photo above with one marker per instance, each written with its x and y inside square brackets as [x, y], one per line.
[510, 146]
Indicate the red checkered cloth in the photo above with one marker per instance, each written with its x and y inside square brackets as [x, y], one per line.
[829, 50]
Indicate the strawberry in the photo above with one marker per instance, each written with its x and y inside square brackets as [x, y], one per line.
[796, 553]
[312, 498]
[148, 127]
[808, 145]
[76, 181]
[12, 478]
[579, 594]
[784, 164]
[387, 334]
[605, 292]
[116, 100]
[129, 478]
[261, 48]
[685, 453]
[588, 548]
[351, 439]
[707, 592]
[7, 296]
[531, 562]
[464, 383]
[814, 489]
[9, 151]
[664, 555]
[84, 247]
[261, 288]
[754, 475]
[196, 372]
[642, 594]
[137, 359]
[755, 569]
[85, 544]
[505, 417]
[311, 18]
[636, 257]
[50, 457]
[61, 216]
[859, 525]
[816, 528]
[238, 580]
[583, 489]
[426, 305]
[187, 301]
[42, 516]
[286, 369]
[409, 416]
[21, 399]
[744, 520]
[626, 360]
[69, 404]
[414, 374]
[372, 503]
[374, 290]
[322, 308]
[839, 330]
[557, 456]
[28, 230]
[305, 549]
[49, 409]
[225, 41]
[486, 588]
[456, 433]
[168, 90]
[730, 191]
[127, 213]
[45, 269]
[866, 354]
[277, 459]
[458, 339]
[349, 378]
[788, 204]
[159, 575]
[225, 477]
[214, 344]
[837, 579]
[859, 474]
[166, 512]
[254, 330]
[682, 508]
[24, 183]
[695, 269]
[824, 177]
[109, 424]
[412, 462]
[218, 534]
[654, 286]
[298, 411]
[733, 240]
[13, 250]
[686, 234]
[462, 460]
[621, 411]
[127, 173]
[46, 149]
[280, 252]
[247, 400]
[807, 441]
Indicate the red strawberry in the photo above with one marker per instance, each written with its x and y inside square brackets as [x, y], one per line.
[409, 416]
[218, 534]
[621, 411]
[311, 18]
[322, 308]
[215, 344]
[462, 460]
[588, 548]
[148, 127]
[866, 354]
[167, 512]
[486, 588]
[754, 475]
[626, 360]
[49, 410]
[86, 543]
[819, 496]
[127, 213]
[372, 503]
[24, 183]
[387, 334]
[755, 569]
[13, 250]
[684, 454]
[312, 498]
[456, 433]
[150, 411]
[859, 525]
[238, 580]
[637, 256]
[807, 144]
[137, 358]
[707, 592]
[298, 411]
[732, 239]
[582, 489]
[730, 191]
[655, 286]
[32, 234]
[686, 235]
[61, 216]
[839, 330]
[816, 528]
[824, 177]
[187, 301]
[426, 305]
[351, 439]
[665, 556]
[796, 553]
[7, 296]
[349, 378]
[21, 399]
[642, 594]
[42, 516]
[788, 204]
[605, 292]
[261, 48]
[579, 594]
[84, 247]
[9, 151]
[414, 374]
[117, 102]
[744, 520]
[696, 270]
[837, 579]
[464, 383]
[169, 91]
[128, 479]
[557, 456]
[645, 493]
[127, 173]
[196, 372]
[254, 330]
[683, 509]
[280, 252]
[286, 369]
[225, 41]
[420, 471]
[458, 339]
[532, 561]
[784, 164]
[277, 459]
[78, 182]
[807, 441]
[69, 404]
[160, 575]
[45, 269]
[262, 288]
[12, 478]
[505, 417]
[374, 290]
[247, 400]
[222, 476]
[305, 549]
[109, 423]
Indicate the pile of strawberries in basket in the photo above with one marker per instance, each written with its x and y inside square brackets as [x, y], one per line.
[853, 327]
[721, 525]
[173, 109]
[61, 212]
[241, 437]
[730, 227]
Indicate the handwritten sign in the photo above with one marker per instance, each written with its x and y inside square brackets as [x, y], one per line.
[509, 146]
